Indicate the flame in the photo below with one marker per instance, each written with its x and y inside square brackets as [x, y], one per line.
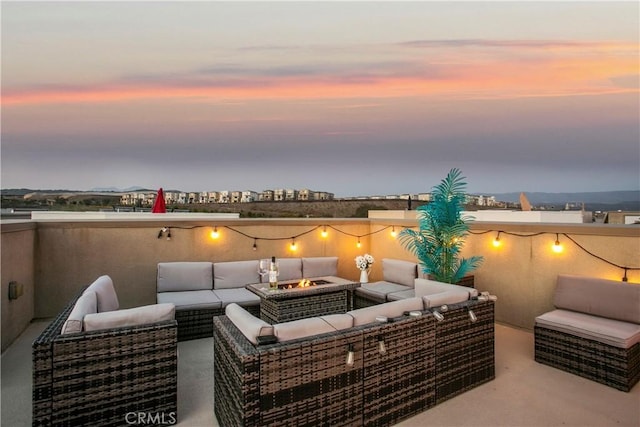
[304, 283]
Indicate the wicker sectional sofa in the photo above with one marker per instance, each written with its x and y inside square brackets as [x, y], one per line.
[400, 280]
[106, 367]
[202, 290]
[594, 331]
[354, 368]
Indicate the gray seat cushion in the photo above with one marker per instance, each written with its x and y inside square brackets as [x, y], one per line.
[184, 276]
[395, 296]
[144, 315]
[607, 331]
[191, 300]
[380, 290]
[240, 296]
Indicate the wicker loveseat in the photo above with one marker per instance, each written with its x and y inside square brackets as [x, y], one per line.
[352, 368]
[594, 331]
[202, 290]
[122, 374]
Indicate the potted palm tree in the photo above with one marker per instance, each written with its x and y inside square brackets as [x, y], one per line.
[441, 233]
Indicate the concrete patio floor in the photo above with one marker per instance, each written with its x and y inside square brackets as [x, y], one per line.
[524, 393]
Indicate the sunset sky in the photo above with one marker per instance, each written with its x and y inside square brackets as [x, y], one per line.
[355, 98]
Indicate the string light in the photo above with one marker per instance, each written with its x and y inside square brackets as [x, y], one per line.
[393, 231]
[215, 234]
[557, 247]
[496, 241]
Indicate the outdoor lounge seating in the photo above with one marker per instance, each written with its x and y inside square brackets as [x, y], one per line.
[100, 366]
[202, 290]
[594, 331]
[401, 281]
[349, 369]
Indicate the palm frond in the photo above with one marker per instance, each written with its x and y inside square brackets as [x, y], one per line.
[441, 231]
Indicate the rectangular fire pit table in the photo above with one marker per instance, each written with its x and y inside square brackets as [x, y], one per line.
[326, 295]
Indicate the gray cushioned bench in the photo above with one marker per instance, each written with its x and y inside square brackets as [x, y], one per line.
[594, 331]
[202, 290]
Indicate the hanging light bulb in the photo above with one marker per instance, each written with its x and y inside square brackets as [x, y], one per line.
[358, 245]
[393, 231]
[168, 233]
[557, 247]
[255, 245]
[382, 348]
[496, 241]
[324, 232]
[214, 233]
[350, 355]
[293, 245]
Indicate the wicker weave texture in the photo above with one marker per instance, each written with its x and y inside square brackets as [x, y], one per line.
[400, 382]
[100, 378]
[465, 356]
[362, 300]
[236, 376]
[309, 383]
[615, 367]
[286, 310]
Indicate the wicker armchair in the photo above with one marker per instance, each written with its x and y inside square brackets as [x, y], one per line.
[108, 377]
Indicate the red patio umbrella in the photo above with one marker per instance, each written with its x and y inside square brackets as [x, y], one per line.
[159, 205]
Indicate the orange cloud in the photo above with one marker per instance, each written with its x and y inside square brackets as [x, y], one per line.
[501, 70]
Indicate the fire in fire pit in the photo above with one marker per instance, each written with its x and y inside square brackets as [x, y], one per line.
[304, 283]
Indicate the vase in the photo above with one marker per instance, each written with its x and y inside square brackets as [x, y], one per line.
[364, 276]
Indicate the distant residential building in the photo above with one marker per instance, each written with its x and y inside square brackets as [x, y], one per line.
[424, 197]
[248, 196]
[266, 196]
[322, 195]
[279, 194]
[291, 194]
[223, 196]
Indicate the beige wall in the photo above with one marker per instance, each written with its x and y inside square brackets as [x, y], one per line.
[72, 255]
[17, 246]
[55, 259]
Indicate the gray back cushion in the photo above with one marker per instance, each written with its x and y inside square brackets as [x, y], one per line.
[320, 266]
[184, 276]
[106, 296]
[288, 269]
[600, 297]
[86, 304]
[398, 271]
[235, 274]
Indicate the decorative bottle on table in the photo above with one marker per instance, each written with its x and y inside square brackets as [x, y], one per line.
[273, 274]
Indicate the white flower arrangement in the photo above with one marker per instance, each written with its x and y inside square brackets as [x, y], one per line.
[363, 262]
